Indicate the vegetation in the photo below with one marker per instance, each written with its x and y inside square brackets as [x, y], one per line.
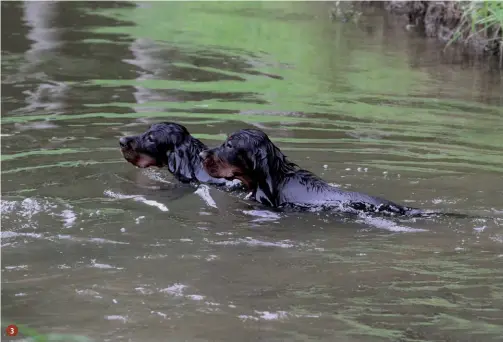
[476, 24]
[482, 20]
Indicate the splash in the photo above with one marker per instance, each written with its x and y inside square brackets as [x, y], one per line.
[204, 192]
[137, 198]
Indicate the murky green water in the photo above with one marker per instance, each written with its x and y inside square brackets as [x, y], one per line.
[92, 246]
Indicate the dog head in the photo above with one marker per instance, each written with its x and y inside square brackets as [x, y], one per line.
[151, 148]
[247, 155]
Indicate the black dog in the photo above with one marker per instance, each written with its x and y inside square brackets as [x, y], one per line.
[249, 155]
[169, 144]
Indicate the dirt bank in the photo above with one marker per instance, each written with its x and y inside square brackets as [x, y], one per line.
[442, 19]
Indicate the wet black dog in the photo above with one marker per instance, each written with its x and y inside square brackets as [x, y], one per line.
[170, 144]
[249, 155]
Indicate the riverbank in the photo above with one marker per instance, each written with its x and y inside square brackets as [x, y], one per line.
[476, 26]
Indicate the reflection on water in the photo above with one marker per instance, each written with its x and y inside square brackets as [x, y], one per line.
[92, 246]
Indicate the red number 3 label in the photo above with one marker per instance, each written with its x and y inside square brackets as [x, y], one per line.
[11, 330]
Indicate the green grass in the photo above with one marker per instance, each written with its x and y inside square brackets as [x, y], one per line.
[482, 19]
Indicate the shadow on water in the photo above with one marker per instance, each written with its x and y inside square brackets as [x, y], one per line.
[95, 247]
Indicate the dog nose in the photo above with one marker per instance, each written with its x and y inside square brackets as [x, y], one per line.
[204, 154]
[123, 141]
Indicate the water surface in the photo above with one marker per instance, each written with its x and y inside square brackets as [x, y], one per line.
[92, 246]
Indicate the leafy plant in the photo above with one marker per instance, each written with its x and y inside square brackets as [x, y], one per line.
[483, 18]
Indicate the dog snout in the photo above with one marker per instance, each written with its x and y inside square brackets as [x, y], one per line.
[204, 154]
[124, 141]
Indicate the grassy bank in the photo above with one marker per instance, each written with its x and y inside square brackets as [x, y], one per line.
[477, 25]
[480, 20]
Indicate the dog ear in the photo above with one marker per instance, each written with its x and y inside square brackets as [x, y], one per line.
[259, 158]
[268, 166]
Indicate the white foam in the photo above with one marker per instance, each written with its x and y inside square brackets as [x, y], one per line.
[254, 242]
[212, 303]
[211, 257]
[27, 208]
[262, 215]
[18, 267]
[383, 223]
[156, 175]
[7, 207]
[152, 257]
[443, 201]
[87, 292]
[30, 207]
[137, 198]
[204, 192]
[497, 238]
[95, 240]
[246, 318]
[97, 265]
[143, 290]
[162, 314]
[103, 266]
[174, 290]
[152, 203]
[10, 234]
[69, 218]
[177, 290]
[116, 318]
[224, 233]
[479, 229]
[101, 240]
[272, 316]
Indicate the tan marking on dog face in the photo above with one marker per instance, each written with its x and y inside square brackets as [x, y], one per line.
[138, 159]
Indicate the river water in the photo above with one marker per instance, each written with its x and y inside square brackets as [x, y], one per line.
[93, 247]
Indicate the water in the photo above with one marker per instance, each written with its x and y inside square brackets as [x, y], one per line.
[92, 246]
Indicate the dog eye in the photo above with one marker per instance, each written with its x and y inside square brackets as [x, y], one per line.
[228, 145]
[150, 138]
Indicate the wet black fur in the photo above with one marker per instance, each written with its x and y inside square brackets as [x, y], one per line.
[277, 182]
[171, 145]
